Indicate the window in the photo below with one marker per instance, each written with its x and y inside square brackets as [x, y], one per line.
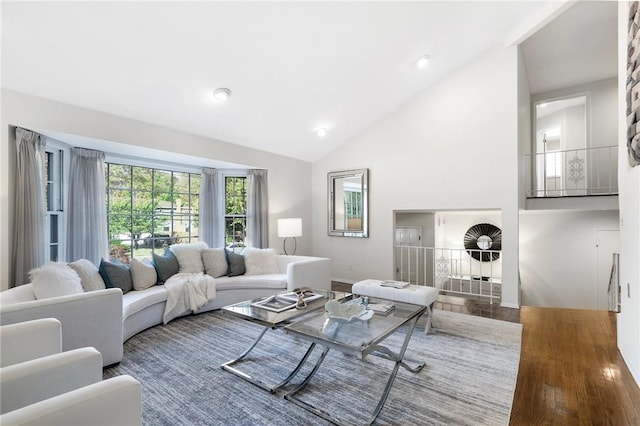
[235, 211]
[149, 209]
[53, 170]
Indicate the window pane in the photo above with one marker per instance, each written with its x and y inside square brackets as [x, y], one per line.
[180, 182]
[195, 184]
[119, 176]
[53, 229]
[142, 178]
[142, 202]
[53, 253]
[162, 181]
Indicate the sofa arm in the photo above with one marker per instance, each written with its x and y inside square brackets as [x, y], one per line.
[92, 319]
[113, 402]
[29, 340]
[307, 271]
[39, 379]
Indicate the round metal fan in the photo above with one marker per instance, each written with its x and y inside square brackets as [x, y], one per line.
[483, 236]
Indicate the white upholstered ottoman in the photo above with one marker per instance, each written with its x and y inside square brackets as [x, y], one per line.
[415, 294]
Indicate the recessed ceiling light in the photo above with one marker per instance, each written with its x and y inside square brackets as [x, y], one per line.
[422, 61]
[222, 94]
[321, 132]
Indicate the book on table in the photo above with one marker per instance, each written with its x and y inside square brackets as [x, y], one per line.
[394, 284]
[284, 301]
[381, 308]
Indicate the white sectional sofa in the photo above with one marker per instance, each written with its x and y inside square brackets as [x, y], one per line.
[106, 318]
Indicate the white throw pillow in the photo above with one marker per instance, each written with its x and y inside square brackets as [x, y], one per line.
[260, 261]
[215, 262]
[89, 276]
[55, 279]
[143, 274]
[188, 255]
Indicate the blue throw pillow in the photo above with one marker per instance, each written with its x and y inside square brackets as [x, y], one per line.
[166, 265]
[236, 263]
[116, 274]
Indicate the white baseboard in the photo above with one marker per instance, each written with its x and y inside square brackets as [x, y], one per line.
[510, 305]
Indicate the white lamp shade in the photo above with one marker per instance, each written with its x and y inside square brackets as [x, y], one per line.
[289, 227]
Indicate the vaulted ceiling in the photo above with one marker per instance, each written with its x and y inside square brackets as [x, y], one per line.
[292, 67]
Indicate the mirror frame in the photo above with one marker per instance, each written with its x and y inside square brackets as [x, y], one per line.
[332, 177]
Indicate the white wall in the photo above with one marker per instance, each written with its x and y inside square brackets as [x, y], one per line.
[457, 143]
[629, 181]
[289, 179]
[558, 256]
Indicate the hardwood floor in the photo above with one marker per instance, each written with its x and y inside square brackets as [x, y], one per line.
[571, 372]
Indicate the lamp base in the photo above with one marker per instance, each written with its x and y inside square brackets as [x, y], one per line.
[284, 246]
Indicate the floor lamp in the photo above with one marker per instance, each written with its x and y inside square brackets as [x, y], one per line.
[289, 228]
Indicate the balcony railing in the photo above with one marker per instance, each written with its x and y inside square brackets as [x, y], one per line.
[573, 172]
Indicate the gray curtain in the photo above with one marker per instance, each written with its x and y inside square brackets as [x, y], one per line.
[208, 210]
[29, 210]
[87, 221]
[257, 209]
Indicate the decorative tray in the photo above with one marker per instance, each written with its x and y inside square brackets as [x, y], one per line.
[347, 312]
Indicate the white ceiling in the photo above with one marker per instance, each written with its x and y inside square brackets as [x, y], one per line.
[292, 66]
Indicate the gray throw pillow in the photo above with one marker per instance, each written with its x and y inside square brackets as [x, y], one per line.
[116, 274]
[166, 266]
[236, 263]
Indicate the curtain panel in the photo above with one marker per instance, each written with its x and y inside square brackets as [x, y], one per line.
[208, 210]
[29, 207]
[87, 235]
[257, 209]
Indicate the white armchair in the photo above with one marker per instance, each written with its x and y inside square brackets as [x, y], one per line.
[91, 319]
[62, 388]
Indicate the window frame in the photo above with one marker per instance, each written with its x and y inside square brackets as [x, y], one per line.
[154, 213]
[55, 192]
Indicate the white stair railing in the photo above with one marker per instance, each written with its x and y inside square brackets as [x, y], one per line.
[451, 270]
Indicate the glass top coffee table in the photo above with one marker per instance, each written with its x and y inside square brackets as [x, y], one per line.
[359, 338]
[274, 320]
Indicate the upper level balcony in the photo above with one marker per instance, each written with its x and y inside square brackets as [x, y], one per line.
[587, 172]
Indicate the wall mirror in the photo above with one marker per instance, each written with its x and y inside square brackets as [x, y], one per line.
[347, 201]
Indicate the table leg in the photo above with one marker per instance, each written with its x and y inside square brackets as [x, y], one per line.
[398, 358]
[228, 366]
[378, 350]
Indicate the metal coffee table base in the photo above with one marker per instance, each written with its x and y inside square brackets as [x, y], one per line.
[228, 366]
[378, 350]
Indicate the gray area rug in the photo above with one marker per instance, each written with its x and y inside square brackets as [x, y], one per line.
[469, 379]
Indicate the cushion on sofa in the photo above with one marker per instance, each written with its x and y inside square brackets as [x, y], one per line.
[189, 257]
[236, 263]
[116, 275]
[260, 261]
[215, 262]
[136, 301]
[274, 281]
[143, 274]
[166, 265]
[89, 275]
[55, 279]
